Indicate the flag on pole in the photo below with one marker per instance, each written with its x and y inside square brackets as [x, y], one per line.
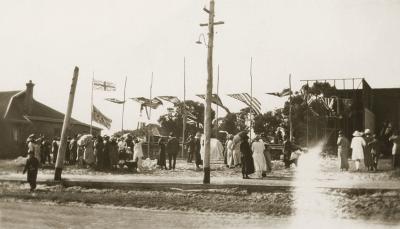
[104, 85]
[283, 93]
[214, 99]
[100, 118]
[114, 100]
[145, 102]
[172, 99]
[245, 98]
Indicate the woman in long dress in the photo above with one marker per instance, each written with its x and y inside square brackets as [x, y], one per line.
[138, 154]
[247, 159]
[358, 145]
[260, 164]
[229, 147]
[343, 151]
[396, 149]
[161, 155]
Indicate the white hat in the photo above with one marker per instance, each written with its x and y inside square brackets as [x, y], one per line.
[357, 134]
[367, 131]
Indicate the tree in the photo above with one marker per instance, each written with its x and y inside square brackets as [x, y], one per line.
[173, 121]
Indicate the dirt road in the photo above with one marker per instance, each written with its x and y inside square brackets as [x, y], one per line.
[41, 215]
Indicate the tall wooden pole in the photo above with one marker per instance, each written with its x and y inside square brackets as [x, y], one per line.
[123, 108]
[184, 108]
[91, 107]
[217, 107]
[207, 115]
[290, 109]
[67, 118]
[251, 95]
[148, 132]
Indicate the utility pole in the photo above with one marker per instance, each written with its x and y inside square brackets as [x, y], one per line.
[67, 119]
[184, 107]
[251, 96]
[207, 113]
[148, 125]
[123, 108]
[290, 109]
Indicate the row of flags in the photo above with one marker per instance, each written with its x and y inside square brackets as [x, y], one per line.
[252, 102]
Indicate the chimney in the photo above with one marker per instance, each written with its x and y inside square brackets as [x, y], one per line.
[29, 97]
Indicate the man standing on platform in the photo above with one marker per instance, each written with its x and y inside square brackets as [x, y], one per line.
[172, 150]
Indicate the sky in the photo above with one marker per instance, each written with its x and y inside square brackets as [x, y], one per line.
[44, 40]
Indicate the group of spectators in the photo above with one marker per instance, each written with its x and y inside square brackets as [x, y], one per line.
[368, 147]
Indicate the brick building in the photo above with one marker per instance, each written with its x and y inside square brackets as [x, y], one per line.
[21, 115]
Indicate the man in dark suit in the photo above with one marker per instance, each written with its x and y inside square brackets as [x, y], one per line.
[31, 166]
[172, 150]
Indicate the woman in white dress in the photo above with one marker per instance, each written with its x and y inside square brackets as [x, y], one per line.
[229, 148]
[357, 145]
[260, 164]
[138, 153]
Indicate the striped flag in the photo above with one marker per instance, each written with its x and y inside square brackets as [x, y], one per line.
[104, 85]
[100, 118]
[245, 98]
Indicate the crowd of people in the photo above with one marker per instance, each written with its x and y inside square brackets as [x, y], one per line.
[367, 147]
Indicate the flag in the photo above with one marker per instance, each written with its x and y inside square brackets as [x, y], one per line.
[172, 99]
[100, 118]
[114, 100]
[285, 92]
[104, 85]
[245, 98]
[214, 99]
[145, 102]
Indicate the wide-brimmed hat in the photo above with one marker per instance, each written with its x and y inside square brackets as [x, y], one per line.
[357, 134]
[367, 131]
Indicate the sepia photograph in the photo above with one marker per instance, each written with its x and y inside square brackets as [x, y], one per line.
[200, 114]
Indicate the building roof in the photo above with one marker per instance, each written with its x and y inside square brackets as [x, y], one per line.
[5, 98]
[14, 110]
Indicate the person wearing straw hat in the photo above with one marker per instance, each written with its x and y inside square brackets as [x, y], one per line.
[343, 151]
[357, 145]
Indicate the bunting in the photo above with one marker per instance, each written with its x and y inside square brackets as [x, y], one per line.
[245, 98]
[100, 118]
[104, 85]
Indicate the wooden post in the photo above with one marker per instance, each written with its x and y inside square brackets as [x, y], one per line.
[148, 132]
[184, 107]
[207, 113]
[251, 96]
[67, 118]
[290, 109]
[91, 107]
[123, 108]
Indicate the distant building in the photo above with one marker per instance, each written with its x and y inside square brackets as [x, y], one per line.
[21, 115]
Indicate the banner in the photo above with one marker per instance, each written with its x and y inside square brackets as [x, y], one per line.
[245, 98]
[100, 118]
[145, 102]
[172, 99]
[214, 99]
[103, 85]
[285, 92]
[114, 100]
